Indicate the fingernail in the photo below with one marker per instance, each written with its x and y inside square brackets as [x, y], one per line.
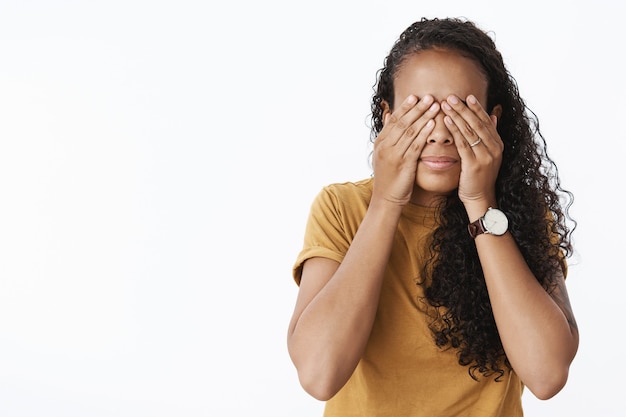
[453, 100]
[428, 99]
[472, 99]
[434, 107]
[411, 99]
[446, 106]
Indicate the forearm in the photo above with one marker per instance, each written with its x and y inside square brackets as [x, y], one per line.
[535, 332]
[328, 338]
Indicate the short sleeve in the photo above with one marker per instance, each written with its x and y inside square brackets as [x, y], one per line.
[325, 234]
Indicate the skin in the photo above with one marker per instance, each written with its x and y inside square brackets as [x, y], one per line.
[422, 153]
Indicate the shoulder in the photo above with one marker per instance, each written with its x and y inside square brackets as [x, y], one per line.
[343, 203]
[351, 191]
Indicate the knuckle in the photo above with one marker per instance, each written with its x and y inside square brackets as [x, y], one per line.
[417, 146]
[402, 124]
[410, 131]
[467, 130]
[424, 105]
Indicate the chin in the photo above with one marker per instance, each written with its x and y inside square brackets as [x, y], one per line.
[437, 187]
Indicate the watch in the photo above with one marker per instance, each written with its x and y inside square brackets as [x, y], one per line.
[493, 222]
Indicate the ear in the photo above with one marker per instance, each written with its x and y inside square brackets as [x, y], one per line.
[497, 111]
[386, 110]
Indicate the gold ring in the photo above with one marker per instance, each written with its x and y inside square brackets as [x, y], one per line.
[476, 143]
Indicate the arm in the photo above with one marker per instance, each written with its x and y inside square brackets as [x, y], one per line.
[337, 303]
[336, 306]
[537, 329]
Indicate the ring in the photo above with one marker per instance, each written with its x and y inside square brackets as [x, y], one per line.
[476, 143]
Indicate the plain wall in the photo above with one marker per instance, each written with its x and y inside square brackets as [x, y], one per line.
[158, 160]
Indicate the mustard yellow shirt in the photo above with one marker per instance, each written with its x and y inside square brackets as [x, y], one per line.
[402, 372]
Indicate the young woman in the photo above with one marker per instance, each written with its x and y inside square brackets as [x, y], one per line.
[436, 287]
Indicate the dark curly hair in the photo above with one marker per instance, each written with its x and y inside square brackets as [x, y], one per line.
[528, 190]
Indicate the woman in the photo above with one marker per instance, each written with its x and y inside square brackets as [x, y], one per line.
[436, 287]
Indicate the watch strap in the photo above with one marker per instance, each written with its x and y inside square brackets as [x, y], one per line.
[476, 228]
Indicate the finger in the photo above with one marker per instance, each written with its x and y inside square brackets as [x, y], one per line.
[463, 146]
[486, 125]
[458, 119]
[416, 131]
[417, 145]
[391, 119]
[394, 119]
[473, 123]
[408, 120]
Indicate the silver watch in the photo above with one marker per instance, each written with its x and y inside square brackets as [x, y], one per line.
[493, 222]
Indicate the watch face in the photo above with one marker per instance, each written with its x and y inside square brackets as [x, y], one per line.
[495, 222]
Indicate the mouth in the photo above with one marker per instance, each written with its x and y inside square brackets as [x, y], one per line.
[438, 162]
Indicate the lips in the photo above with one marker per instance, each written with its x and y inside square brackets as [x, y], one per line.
[438, 162]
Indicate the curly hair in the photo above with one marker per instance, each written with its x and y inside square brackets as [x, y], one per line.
[528, 190]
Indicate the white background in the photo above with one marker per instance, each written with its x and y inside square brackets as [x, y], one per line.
[158, 159]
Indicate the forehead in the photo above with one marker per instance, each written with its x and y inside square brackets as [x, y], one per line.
[440, 73]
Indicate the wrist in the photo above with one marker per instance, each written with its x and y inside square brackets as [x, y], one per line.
[494, 222]
[476, 209]
[386, 207]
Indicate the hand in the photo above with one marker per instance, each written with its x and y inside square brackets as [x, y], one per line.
[398, 147]
[480, 148]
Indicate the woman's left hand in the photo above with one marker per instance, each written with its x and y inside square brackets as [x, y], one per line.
[479, 145]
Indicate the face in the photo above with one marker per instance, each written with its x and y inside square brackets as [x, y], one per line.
[439, 73]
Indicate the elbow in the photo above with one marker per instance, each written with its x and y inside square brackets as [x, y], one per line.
[319, 391]
[319, 384]
[548, 385]
[319, 381]
[549, 377]
[320, 375]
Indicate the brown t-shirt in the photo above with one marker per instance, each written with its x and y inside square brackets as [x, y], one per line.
[402, 372]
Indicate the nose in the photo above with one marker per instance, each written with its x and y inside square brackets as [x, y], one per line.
[440, 134]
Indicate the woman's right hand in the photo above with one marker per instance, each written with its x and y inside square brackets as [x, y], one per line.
[398, 147]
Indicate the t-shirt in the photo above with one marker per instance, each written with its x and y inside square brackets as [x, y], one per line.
[402, 372]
